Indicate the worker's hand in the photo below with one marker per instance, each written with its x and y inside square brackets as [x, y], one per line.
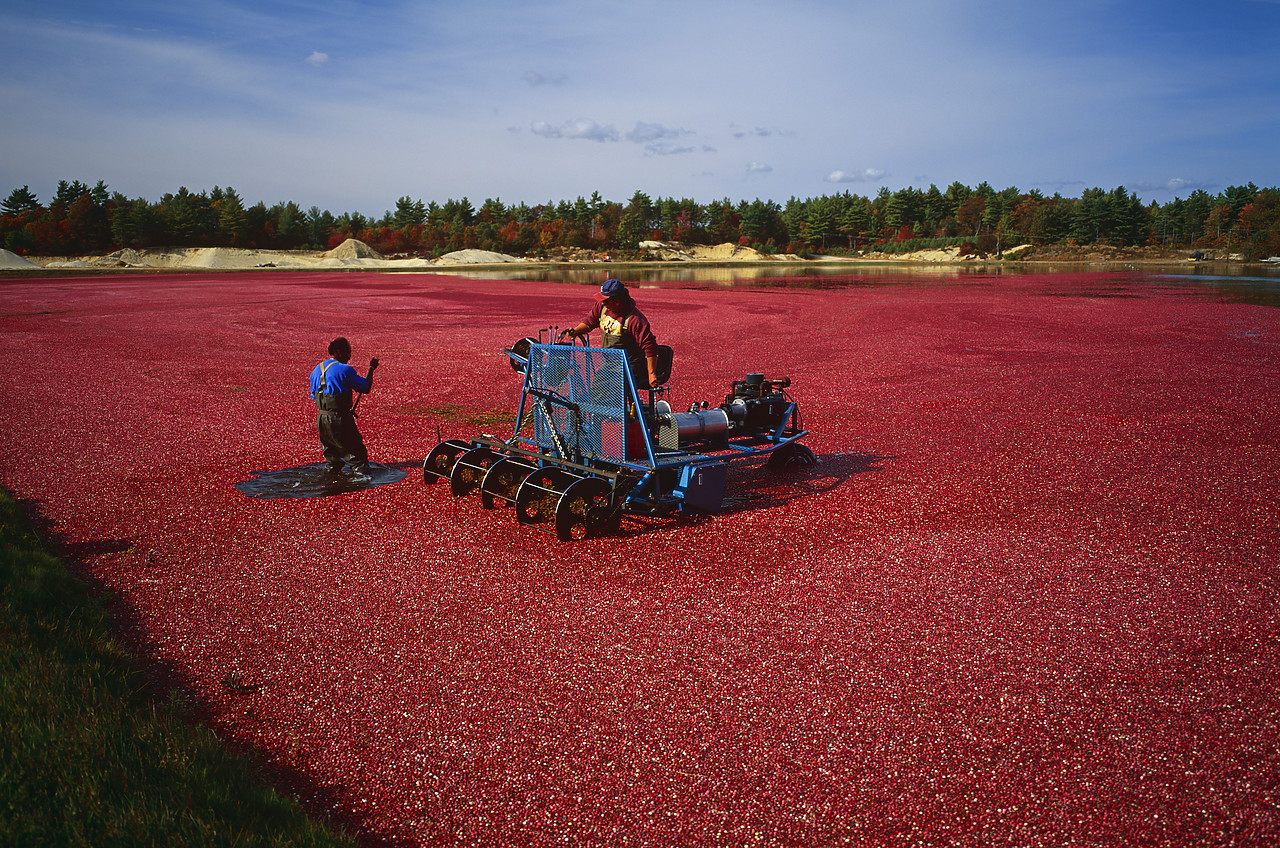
[373, 363]
[653, 380]
[570, 332]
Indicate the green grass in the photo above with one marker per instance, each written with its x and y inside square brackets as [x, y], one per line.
[90, 753]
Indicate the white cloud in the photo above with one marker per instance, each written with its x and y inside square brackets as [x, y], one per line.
[535, 79]
[757, 132]
[317, 59]
[668, 148]
[645, 133]
[1176, 187]
[1059, 185]
[867, 175]
[581, 128]
[758, 168]
[658, 140]
[1177, 183]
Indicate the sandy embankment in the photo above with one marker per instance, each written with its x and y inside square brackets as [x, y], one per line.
[356, 255]
[351, 254]
[728, 252]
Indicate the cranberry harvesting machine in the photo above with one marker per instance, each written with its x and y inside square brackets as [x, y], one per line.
[589, 446]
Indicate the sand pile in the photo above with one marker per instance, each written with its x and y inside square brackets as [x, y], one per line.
[729, 252]
[10, 261]
[212, 257]
[475, 257]
[352, 253]
[87, 262]
[670, 251]
[231, 257]
[948, 254]
[941, 254]
[175, 257]
[353, 249]
[133, 257]
[665, 252]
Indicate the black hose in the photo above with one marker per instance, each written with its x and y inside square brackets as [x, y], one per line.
[799, 414]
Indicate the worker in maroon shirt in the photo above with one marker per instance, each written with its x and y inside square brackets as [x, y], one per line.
[624, 326]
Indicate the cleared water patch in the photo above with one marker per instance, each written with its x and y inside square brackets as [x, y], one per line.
[312, 481]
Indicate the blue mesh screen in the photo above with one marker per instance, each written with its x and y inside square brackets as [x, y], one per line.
[577, 398]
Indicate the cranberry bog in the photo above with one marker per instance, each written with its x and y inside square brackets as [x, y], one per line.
[1027, 597]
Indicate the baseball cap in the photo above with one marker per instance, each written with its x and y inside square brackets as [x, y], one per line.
[611, 288]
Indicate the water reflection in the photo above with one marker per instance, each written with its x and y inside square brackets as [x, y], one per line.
[1260, 291]
[311, 481]
[1253, 283]
[780, 273]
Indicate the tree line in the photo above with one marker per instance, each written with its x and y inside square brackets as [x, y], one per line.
[80, 219]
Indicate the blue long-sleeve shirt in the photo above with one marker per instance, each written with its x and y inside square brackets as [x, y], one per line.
[337, 378]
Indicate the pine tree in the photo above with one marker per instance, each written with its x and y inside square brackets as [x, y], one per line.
[233, 221]
[19, 200]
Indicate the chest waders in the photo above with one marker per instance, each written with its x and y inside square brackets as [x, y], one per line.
[331, 404]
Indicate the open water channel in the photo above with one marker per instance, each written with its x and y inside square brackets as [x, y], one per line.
[1249, 283]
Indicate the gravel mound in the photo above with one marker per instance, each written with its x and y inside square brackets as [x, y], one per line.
[475, 257]
[353, 249]
[727, 252]
[10, 261]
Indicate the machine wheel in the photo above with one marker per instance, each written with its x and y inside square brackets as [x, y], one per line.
[439, 463]
[791, 456]
[520, 349]
[586, 510]
[503, 479]
[538, 494]
[469, 469]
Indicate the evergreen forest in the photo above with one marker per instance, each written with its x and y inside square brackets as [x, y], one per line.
[81, 219]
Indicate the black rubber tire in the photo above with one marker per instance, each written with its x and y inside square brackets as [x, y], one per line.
[790, 457]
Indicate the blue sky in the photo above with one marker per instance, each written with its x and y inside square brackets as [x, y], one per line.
[351, 105]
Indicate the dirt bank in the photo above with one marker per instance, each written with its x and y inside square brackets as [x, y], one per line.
[356, 255]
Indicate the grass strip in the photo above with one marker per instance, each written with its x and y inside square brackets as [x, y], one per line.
[90, 754]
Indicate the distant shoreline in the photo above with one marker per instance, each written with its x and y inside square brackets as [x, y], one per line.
[356, 256]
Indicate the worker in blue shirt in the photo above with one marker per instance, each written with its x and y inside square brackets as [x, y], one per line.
[332, 384]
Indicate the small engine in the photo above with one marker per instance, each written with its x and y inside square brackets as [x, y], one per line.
[753, 406]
